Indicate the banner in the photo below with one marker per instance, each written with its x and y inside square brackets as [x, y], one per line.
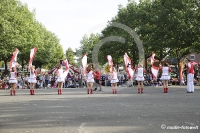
[14, 59]
[152, 58]
[129, 69]
[110, 62]
[84, 64]
[154, 69]
[66, 63]
[32, 54]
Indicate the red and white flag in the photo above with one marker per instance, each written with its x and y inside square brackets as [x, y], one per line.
[14, 59]
[66, 63]
[52, 71]
[110, 62]
[32, 54]
[152, 58]
[84, 64]
[154, 69]
[129, 69]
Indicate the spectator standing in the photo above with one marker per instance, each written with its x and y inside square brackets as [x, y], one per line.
[26, 82]
[46, 80]
[42, 80]
[190, 77]
[80, 80]
[22, 81]
[97, 76]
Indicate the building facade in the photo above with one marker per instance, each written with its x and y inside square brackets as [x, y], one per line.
[194, 57]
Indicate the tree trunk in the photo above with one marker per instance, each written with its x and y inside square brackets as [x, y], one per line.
[178, 69]
[117, 65]
[22, 63]
[145, 60]
[161, 54]
[6, 67]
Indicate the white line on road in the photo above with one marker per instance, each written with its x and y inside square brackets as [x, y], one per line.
[81, 128]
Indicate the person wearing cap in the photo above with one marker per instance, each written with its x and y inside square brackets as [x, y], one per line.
[190, 76]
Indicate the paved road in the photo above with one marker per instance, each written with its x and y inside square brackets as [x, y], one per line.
[102, 112]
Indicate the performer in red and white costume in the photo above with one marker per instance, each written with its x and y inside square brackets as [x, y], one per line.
[140, 78]
[61, 74]
[60, 78]
[90, 79]
[13, 81]
[114, 80]
[32, 79]
[190, 77]
[165, 77]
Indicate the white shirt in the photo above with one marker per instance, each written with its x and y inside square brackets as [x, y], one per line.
[165, 71]
[114, 76]
[60, 73]
[12, 75]
[140, 72]
[90, 75]
[32, 75]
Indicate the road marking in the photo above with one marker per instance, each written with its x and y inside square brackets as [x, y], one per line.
[81, 128]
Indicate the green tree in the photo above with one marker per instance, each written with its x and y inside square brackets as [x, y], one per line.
[13, 20]
[127, 16]
[19, 29]
[165, 27]
[87, 45]
[70, 55]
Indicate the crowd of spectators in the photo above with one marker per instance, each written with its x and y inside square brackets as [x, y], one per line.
[150, 81]
[45, 80]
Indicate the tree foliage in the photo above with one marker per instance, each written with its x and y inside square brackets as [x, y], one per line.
[87, 45]
[70, 55]
[19, 29]
[169, 28]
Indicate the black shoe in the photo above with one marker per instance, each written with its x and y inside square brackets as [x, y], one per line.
[99, 90]
[95, 89]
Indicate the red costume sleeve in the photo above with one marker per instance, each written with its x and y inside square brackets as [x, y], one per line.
[170, 70]
[94, 74]
[35, 72]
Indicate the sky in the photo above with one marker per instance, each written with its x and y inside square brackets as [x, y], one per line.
[70, 20]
